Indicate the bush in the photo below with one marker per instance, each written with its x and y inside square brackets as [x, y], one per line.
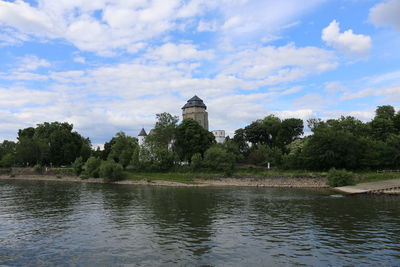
[38, 168]
[340, 178]
[196, 162]
[92, 166]
[77, 166]
[7, 160]
[217, 158]
[111, 171]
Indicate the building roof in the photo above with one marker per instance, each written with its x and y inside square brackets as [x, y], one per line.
[142, 133]
[195, 102]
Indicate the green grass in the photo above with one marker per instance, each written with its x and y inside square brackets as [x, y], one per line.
[190, 177]
[376, 177]
[187, 178]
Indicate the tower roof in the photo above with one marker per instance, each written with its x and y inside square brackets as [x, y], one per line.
[195, 102]
[142, 133]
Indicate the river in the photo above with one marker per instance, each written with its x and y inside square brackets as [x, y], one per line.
[63, 224]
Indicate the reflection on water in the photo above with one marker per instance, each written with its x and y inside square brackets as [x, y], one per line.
[56, 223]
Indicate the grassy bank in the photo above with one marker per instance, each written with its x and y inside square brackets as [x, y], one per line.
[366, 177]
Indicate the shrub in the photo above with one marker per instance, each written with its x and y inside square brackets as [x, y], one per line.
[92, 166]
[111, 171]
[196, 162]
[340, 178]
[7, 160]
[84, 176]
[77, 166]
[217, 158]
[38, 168]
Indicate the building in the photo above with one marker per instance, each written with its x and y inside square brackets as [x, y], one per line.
[196, 109]
[219, 136]
[141, 136]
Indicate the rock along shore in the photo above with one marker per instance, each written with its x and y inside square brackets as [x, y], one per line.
[244, 182]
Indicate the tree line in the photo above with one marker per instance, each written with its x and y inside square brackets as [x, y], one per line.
[344, 143]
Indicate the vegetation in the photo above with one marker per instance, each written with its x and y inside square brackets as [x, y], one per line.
[188, 150]
[340, 178]
[111, 171]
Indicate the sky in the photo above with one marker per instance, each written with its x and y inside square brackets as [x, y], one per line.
[107, 66]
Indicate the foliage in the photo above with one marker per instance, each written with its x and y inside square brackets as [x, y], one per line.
[340, 178]
[7, 160]
[122, 148]
[164, 129]
[196, 162]
[51, 143]
[77, 166]
[111, 171]
[91, 167]
[191, 138]
[38, 168]
[217, 158]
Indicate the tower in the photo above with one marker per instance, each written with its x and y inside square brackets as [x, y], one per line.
[141, 136]
[196, 109]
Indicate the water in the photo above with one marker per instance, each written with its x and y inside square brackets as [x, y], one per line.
[64, 224]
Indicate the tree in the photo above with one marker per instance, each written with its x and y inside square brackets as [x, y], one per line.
[385, 112]
[92, 167]
[255, 132]
[290, 130]
[192, 138]
[241, 140]
[122, 149]
[7, 160]
[164, 129]
[51, 143]
[217, 158]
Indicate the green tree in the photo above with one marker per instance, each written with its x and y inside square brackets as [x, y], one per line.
[164, 129]
[192, 138]
[7, 160]
[111, 171]
[385, 112]
[290, 130]
[92, 167]
[77, 166]
[51, 143]
[217, 158]
[122, 149]
[241, 140]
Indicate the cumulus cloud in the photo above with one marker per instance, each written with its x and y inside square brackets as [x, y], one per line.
[386, 13]
[171, 52]
[32, 62]
[273, 65]
[108, 27]
[347, 42]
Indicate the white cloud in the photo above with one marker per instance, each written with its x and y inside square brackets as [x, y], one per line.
[22, 16]
[347, 42]
[107, 27]
[170, 52]
[207, 26]
[32, 62]
[273, 65]
[386, 13]
[391, 94]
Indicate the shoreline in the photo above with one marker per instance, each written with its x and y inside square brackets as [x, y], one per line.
[229, 182]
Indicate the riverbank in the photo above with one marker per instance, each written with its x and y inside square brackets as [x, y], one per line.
[243, 182]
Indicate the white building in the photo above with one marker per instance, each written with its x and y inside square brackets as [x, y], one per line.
[219, 136]
[141, 136]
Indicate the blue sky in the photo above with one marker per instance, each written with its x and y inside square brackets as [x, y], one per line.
[109, 66]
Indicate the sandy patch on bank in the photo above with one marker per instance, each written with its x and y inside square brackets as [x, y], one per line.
[251, 182]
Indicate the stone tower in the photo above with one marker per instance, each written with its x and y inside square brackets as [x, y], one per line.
[196, 109]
